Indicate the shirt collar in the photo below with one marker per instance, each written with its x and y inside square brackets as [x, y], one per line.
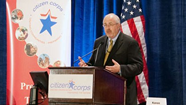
[115, 38]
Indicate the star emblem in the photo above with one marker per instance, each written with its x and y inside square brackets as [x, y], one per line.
[71, 84]
[47, 24]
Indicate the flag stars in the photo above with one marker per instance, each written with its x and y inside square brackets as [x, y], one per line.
[129, 3]
[131, 13]
[126, 10]
[134, 6]
[130, 9]
[123, 17]
[140, 10]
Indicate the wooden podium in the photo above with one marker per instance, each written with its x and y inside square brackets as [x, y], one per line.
[108, 88]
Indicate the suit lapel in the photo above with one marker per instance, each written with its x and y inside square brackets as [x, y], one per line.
[115, 48]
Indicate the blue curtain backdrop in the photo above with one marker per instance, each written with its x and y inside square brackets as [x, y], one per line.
[166, 46]
[165, 39]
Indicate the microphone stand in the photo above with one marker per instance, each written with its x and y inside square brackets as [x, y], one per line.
[85, 55]
[90, 52]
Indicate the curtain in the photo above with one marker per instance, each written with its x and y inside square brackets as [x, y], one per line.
[166, 49]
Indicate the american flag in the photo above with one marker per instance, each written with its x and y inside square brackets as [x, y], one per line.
[133, 24]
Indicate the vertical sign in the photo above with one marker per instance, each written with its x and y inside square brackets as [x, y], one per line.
[38, 37]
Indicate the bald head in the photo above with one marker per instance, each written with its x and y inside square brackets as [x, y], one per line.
[112, 16]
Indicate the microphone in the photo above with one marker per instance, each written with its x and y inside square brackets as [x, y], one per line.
[90, 53]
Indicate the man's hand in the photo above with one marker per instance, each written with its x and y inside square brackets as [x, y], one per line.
[115, 68]
[82, 62]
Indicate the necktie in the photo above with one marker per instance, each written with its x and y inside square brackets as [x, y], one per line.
[108, 51]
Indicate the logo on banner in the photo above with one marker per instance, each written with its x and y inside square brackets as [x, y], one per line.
[44, 24]
[47, 23]
[70, 86]
[41, 29]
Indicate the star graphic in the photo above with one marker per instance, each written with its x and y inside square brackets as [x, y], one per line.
[71, 84]
[47, 24]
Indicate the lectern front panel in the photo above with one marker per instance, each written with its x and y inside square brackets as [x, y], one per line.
[107, 88]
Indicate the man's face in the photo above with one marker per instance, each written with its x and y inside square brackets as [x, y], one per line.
[111, 27]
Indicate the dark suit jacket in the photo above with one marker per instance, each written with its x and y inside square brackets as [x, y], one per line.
[127, 53]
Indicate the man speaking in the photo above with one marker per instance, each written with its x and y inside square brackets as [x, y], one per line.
[119, 54]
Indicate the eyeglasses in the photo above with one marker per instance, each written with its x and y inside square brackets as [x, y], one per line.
[109, 25]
